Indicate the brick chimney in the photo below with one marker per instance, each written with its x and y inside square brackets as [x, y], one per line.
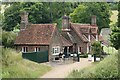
[93, 20]
[65, 23]
[24, 20]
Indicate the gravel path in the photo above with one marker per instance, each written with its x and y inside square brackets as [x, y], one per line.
[63, 71]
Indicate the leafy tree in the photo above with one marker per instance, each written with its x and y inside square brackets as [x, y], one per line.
[113, 5]
[11, 17]
[96, 48]
[8, 39]
[119, 14]
[39, 12]
[83, 13]
[115, 35]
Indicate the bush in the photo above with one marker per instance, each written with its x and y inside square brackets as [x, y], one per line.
[96, 48]
[8, 39]
[85, 55]
[108, 68]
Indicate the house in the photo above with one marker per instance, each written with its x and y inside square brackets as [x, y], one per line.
[73, 38]
[80, 36]
[38, 37]
[105, 34]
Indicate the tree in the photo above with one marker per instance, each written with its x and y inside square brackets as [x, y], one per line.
[39, 12]
[12, 14]
[8, 39]
[96, 48]
[83, 13]
[119, 14]
[115, 35]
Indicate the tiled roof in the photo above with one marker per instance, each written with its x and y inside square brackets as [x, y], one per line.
[92, 38]
[76, 28]
[36, 34]
[100, 38]
[65, 41]
[68, 36]
[81, 29]
[94, 29]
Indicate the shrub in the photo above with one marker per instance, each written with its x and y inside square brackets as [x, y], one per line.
[85, 55]
[96, 48]
[8, 39]
[108, 68]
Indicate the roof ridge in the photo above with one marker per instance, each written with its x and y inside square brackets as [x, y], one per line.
[80, 23]
[53, 32]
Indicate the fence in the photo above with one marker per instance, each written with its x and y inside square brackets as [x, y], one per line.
[39, 57]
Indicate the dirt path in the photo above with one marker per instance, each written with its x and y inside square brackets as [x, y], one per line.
[63, 71]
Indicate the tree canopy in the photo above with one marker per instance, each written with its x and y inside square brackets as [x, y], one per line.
[51, 12]
[39, 12]
[83, 13]
[115, 35]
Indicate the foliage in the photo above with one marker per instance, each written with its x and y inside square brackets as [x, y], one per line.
[115, 35]
[8, 39]
[8, 57]
[119, 14]
[114, 18]
[39, 12]
[13, 66]
[108, 68]
[109, 49]
[113, 5]
[96, 48]
[85, 55]
[83, 13]
[11, 17]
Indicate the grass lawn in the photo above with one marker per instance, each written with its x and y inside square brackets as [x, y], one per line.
[14, 66]
[114, 17]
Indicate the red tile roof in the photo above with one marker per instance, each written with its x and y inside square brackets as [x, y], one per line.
[36, 34]
[65, 41]
[101, 38]
[81, 29]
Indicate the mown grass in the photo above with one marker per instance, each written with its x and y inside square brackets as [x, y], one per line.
[107, 68]
[14, 66]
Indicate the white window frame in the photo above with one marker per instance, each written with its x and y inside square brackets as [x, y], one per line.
[36, 49]
[25, 49]
[56, 50]
[89, 37]
[96, 37]
[87, 48]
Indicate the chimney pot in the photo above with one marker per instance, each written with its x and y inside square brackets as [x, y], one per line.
[93, 20]
[24, 20]
[65, 23]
